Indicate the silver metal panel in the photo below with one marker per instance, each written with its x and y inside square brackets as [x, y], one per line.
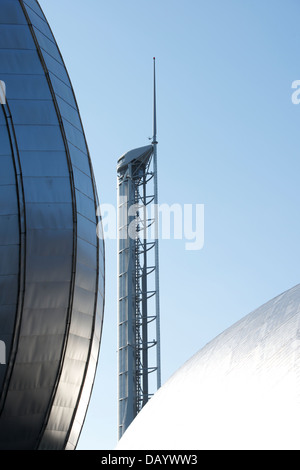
[2, 119]
[85, 206]
[33, 4]
[61, 310]
[47, 295]
[86, 230]
[84, 184]
[33, 112]
[38, 21]
[8, 289]
[126, 322]
[43, 164]
[50, 268]
[15, 37]
[74, 136]
[5, 148]
[69, 113]
[9, 244]
[8, 200]
[7, 318]
[86, 278]
[79, 159]
[16, 61]
[57, 68]
[47, 190]
[62, 90]
[11, 13]
[39, 138]
[101, 284]
[54, 219]
[11, 233]
[33, 349]
[7, 175]
[82, 325]
[9, 256]
[38, 324]
[82, 300]
[88, 384]
[26, 87]
[47, 45]
[86, 254]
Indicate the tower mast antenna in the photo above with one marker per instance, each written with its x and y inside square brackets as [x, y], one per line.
[154, 105]
[139, 368]
[155, 143]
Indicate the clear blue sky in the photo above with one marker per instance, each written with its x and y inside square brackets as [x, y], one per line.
[228, 138]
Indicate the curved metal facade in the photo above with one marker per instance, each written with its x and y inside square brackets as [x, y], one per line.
[51, 260]
[240, 392]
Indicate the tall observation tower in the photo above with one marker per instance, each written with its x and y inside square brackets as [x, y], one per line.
[139, 364]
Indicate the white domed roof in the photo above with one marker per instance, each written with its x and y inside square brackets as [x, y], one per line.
[241, 391]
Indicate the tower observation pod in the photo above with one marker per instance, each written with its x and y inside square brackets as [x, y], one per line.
[139, 370]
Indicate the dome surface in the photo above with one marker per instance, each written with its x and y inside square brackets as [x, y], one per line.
[51, 260]
[241, 391]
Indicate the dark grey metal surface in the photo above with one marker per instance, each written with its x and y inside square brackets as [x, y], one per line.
[51, 261]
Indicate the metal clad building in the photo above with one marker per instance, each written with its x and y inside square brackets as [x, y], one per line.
[139, 363]
[239, 392]
[51, 260]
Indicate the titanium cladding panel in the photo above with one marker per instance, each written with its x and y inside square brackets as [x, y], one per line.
[240, 392]
[51, 260]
